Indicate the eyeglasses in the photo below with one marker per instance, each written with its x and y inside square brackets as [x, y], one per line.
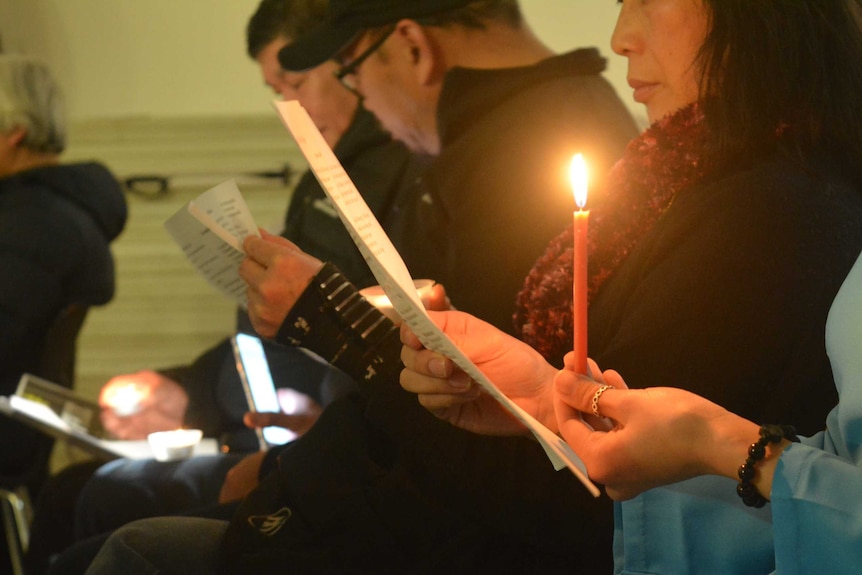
[346, 74]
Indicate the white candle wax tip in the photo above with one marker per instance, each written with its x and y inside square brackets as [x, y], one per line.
[177, 444]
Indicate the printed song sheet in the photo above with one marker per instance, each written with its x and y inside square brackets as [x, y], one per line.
[393, 276]
[210, 230]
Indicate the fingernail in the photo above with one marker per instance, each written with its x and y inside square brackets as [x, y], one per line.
[460, 382]
[438, 367]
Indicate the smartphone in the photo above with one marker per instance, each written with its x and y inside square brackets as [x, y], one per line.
[256, 378]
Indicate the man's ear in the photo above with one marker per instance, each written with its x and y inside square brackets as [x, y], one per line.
[426, 58]
[15, 136]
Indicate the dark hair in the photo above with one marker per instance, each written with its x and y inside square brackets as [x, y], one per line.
[283, 19]
[475, 14]
[784, 65]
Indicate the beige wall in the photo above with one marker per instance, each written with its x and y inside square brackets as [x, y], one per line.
[568, 24]
[120, 58]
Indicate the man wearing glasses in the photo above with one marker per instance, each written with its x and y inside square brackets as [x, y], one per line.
[468, 83]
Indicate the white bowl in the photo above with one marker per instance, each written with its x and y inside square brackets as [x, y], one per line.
[177, 444]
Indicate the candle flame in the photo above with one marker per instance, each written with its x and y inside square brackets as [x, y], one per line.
[578, 178]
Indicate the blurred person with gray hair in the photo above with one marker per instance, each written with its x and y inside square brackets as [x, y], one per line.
[57, 222]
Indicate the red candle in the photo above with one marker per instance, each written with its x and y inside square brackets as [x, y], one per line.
[578, 176]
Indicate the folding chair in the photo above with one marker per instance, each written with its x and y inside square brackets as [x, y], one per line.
[57, 364]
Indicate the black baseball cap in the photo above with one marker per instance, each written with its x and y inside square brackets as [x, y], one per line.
[347, 18]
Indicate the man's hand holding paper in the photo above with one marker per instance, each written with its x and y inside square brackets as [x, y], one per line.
[277, 272]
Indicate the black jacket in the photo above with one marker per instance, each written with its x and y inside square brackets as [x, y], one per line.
[56, 227]
[727, 297]
[499, 189]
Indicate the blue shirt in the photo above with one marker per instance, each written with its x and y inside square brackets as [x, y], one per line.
[814, 521]
[817, 489]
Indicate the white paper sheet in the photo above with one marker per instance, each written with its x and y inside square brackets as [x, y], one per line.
[210, 230]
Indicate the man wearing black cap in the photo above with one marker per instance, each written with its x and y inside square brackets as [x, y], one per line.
[468, 83]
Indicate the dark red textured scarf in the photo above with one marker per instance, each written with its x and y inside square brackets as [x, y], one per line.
[655, 166]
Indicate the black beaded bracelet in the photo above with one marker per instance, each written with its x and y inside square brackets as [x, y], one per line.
[757, 451]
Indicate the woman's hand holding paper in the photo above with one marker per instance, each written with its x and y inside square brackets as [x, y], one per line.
[517, 370]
